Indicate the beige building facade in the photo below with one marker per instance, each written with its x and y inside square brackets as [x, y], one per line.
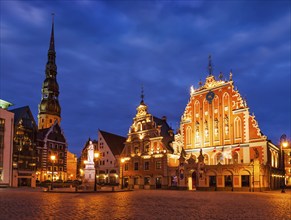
[6, 144]
[71, 166]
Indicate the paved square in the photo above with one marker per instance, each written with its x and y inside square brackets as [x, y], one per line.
[144, 204]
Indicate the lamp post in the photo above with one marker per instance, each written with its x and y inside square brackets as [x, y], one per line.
[284, 143]
[122, 162]
[53, 158]
[96, 156]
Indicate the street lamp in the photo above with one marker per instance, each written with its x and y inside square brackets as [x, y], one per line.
[122, 162]
[53, 158]
[96, 156]
[284, 144]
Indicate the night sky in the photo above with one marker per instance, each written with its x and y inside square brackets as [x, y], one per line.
[106, 50]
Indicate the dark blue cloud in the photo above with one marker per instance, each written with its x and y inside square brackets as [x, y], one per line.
[107, 49]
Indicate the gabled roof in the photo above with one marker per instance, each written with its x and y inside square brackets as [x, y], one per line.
[114, 142]
[41, 133]
[25, 114]
[54, 133]
[165, 132]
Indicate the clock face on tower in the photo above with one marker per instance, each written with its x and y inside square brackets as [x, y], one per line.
[210, 96]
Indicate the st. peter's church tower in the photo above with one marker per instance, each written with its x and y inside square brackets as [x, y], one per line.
[49, 109]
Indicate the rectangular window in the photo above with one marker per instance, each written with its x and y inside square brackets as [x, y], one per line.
[126, 166]
[61, 169]
[158, 165]
[147, 148]
[136, 166]
[146, 165]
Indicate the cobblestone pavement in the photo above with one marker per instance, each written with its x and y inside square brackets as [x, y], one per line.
[144, 204]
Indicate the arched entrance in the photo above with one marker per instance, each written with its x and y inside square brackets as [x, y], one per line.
[194, 177]
[158, 182]
[228, 180]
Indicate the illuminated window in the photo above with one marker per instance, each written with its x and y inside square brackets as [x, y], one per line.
[219, 158]
[206, 159]
[188, 135]
[234, 157]
[158, 165]
[147, 147]
[237, 128]
[126, 166]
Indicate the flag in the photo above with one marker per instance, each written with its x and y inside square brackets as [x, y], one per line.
[237, 148]
[214, 149]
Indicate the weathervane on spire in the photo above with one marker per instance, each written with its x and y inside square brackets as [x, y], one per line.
[53, 14]
[210, 69]
[142, 94]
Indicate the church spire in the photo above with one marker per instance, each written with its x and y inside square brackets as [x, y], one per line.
[142, 95]
[52, 40]
[210, 68]
[49, 109]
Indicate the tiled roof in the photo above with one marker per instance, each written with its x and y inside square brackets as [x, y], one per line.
[114, 142]
[165, 128]
[25, 114]
[55, 135]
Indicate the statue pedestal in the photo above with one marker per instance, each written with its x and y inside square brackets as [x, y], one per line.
[89, 173]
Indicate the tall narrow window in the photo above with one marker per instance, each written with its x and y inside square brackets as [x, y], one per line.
[136, 166]
[146, 165]
[237, 128]
[188, 136]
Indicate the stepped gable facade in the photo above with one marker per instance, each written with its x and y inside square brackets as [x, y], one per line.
[225, 148]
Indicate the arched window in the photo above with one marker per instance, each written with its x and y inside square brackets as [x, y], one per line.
[234, 157]
[276, 158]
[206, 159]
[188, 135]
[237, 128]
[219, 158]
[272, 159]
[226, 110]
